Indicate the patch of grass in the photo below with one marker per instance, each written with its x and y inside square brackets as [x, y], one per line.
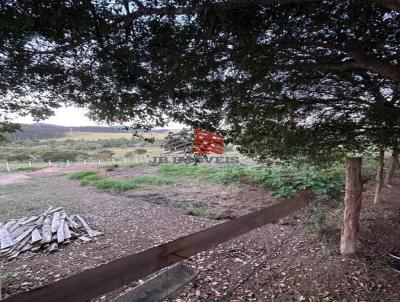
[113, 185]
[84, 174]
[27, 169]
[201, 210]
[184, 170]
[95, 179]
[153, 180]
[136, 165]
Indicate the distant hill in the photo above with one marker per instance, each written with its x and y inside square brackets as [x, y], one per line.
[40, 131]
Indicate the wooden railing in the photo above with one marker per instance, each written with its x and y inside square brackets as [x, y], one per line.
[113, 275]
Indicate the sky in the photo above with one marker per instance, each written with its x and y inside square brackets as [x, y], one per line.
[72, 116]
[64, 116]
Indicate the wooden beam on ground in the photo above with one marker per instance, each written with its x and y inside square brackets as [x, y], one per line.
[161, 286]
[115, 274]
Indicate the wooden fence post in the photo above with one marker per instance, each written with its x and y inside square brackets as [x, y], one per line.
[392, 167]
[352, 201]
[379, 177]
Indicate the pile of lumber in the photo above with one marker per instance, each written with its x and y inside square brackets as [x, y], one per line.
[46, 232]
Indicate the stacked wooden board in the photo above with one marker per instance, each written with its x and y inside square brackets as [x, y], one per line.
[45, 232]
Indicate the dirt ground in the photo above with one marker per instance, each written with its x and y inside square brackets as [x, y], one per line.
[278, 262]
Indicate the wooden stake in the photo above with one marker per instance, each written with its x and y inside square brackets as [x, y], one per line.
[379, 177]
[392, 167]
[8, 167]
[352, 201]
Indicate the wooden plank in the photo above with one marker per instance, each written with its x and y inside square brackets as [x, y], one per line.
[72, 223]
[20, 230]
[67, 232]
[110, 276]
[5, 238]
[29, 220]
[161, 286]
[46, 230]
[10, 224]
[60, 230]
[35, 236]
[23, 235]
[13, 228]
[40, 220]
[54, 210]
[54, 245]
[47, 212]
[87, 228]
[56, 222]
[19, 246]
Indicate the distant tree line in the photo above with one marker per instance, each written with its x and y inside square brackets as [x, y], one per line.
[40, 131]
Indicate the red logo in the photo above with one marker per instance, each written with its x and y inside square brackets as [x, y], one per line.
[207, 142]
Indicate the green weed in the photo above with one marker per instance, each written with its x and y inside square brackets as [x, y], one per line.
[316, 220]
[8, 279]
[201, 210]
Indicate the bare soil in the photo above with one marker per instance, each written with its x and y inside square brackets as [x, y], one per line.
[278, 262]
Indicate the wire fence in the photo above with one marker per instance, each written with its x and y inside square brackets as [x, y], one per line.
[11, 167]
[28, 166]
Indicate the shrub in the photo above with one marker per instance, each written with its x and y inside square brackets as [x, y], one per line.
[59, 155]
[105, 154]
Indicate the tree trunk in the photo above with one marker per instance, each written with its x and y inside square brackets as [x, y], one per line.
[392, 167]
[352, 201]
[379, 177]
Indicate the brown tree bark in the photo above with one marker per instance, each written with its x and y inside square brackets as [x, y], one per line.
[379, 177]
[352, 201]
[392, 166]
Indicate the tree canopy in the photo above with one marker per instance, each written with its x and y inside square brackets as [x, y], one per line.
[282, 78]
